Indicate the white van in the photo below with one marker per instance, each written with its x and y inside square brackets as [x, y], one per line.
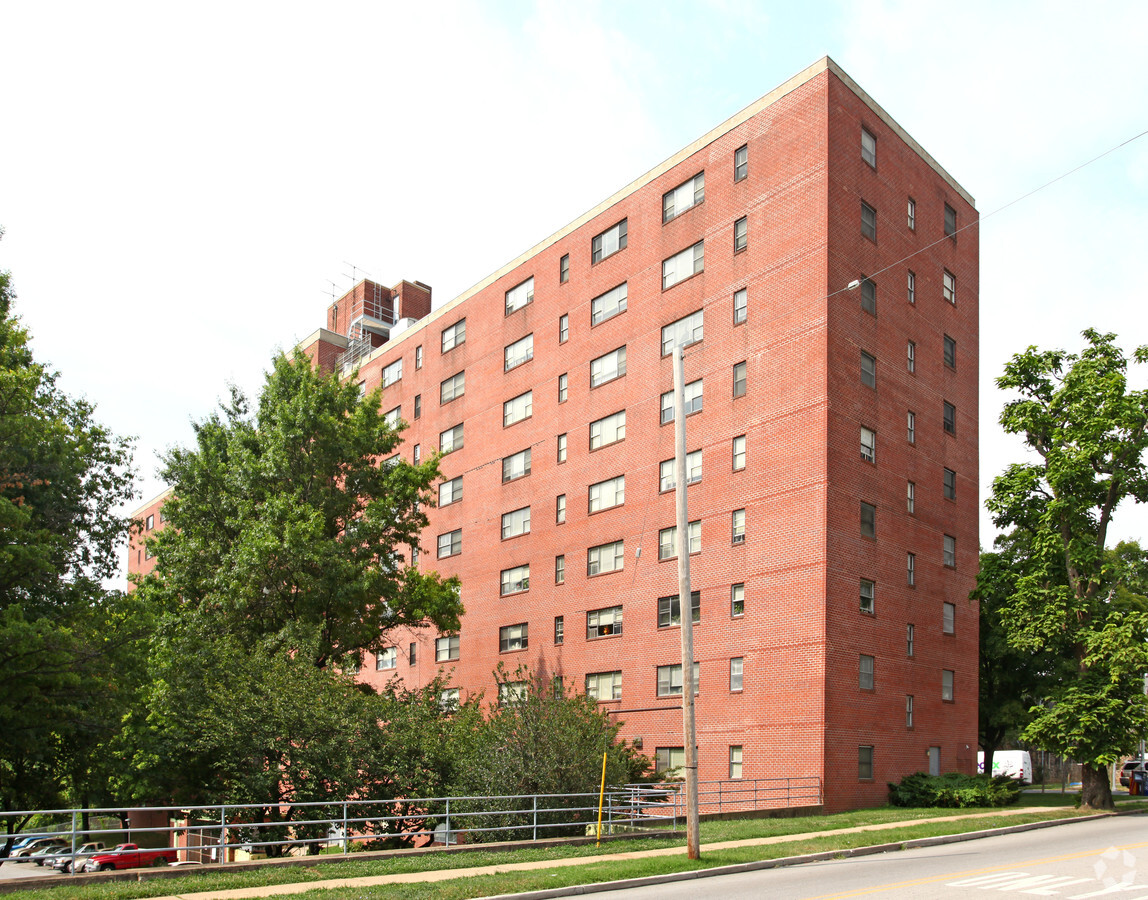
[1013, 763]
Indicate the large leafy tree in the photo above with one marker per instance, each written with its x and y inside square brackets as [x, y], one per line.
[1088, 432]
[63, 637]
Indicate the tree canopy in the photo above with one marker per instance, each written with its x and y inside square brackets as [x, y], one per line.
[1088, 431]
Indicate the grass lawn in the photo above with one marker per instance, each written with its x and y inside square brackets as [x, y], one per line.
[1052, 806]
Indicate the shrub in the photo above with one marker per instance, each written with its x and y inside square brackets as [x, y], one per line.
[954, 790]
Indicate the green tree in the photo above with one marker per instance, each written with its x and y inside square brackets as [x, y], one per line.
[62, 635]
[1088, 431]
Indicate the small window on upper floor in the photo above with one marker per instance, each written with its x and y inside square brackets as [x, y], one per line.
[869, 296]
[564, 269]
[950, 417]
[520, 295]
[607, 305]
[563, 329]
[740, 306]
[868, 596]
[911, 214]
[683, 265]
[418, 405]
[950, 352]
[453, 335]
[393, 373]
[685, 331]
[519, 352]
[739, 380]
[607, 367]
[868, 221]
[685, 196]
[608, 430]
[868, 444]
[950, 222]
[740, 234]
[608, 242]
[868, 148]
[950, 484]
[150, 524]
[741, 163]
[949, 287]
[868, 520]
[911, 356]
[868, 369]
[419, 356]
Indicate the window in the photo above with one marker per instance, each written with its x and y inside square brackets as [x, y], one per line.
[418, 453]
[950, 222]
[516, 466]
[868, 221]
[517, 408]
[517, 297]
[683, 265]
[949, 287]
[446, 648]
[607, 367]
[868, 444]
[950, 352]
[604, 685]
[511, 692]
[739, 380]
[669, 761]
[670, 680]
[865, 673]
[412, 653]
[668, 540]
[392, 417]
[911, 214]
[950, 482]
[561, 443]
[740, 306]
[608, 305]
[737, 523]
[741, 162]
[947, 684]
[868, 520]
[392, 373]
[912, 287]
[683, 197]
[605, 558]
[450, 544]
[684, 331]
[950, 418]
[911, 497]
[868, 369]
[560, 570]
[910, 634]
[513, 637]
[450, 491]
[740, 234]
[865, 763]
[608, 430]
[604, 622]
[737, 600]
[150, 523]
[608, 494]
[950, 550]
[387, 658]
[449, 699]
[454, 335]
[869, 296]
[608, 242]
[666, 479]
[564, 269]
[868, 596]
[414, 556]
[451, 439]
[517, 353]
[559, 630]
[911, 569]
[515, 580]
[418, 405]
[693, 392]
[452, 388]
[736, 669]
[868, 148]
[419, 356]
[560, 510]
[739, 452]
[911, 426]
[563, 329]
[670, 609]
[516, 522]
[949, 618]
[911, 356]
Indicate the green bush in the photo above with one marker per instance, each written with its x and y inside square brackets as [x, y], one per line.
[954, 790]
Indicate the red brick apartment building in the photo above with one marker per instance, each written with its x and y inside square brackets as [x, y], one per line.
[821, 266]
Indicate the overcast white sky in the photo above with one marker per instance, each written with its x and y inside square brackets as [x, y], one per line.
[181, 184]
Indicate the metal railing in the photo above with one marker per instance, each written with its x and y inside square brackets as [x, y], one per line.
[217, 833]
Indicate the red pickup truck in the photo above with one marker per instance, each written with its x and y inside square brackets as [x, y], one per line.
[128, 856]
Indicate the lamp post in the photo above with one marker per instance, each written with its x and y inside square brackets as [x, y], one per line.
[685, 606]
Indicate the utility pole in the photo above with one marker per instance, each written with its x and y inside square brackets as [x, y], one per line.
[685, 606]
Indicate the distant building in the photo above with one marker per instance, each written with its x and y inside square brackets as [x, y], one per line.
[820, 265]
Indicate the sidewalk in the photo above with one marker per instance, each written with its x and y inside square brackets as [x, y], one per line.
[449, 874]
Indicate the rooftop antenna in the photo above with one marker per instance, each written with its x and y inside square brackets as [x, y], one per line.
[355, 270]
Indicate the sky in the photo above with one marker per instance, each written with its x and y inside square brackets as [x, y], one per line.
[184, 187]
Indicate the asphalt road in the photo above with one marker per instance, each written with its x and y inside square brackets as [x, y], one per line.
[1099, 858]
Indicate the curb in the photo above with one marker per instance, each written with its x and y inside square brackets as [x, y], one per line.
[783, 862]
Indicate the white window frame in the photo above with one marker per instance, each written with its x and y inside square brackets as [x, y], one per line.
[741, 234]
[737, 600]
[446, 648]
[452, 544]
[868, 147]
[947, 678]
[912, 286]
[605, 558]
[868, 595]
[393, 372]
[518, 353]
[739, 452]
[741, 163]
[666, 473]
[605, 306]
[609, 242]
[516, 523]
[512, 692]
[740, 306]
[867, 673]
[686, 195]
[669, 680]
[736, 755]
[387, 658]
[949, 287]
[869, 295]
[454, 335]
[737, 526]
[911, 569]
[670, 610]
[948, 618]
[693, 397]
[517, 409]
[605, 622]
[683, 265]
[608, 430]
[393, 416]
[516, 466]
[512, 638]
[603, 686]
[949, 553]
[868, 369]
[736, 674]
[450, 491]
[608, 367]
[868, 221]
[514, 580]
[452, 388]
[868, 445]
[607, 494]
[451, 439]
[520, 295]
[688, 330]
[668, 540]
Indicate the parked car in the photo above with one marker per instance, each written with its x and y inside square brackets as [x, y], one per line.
[41, 854]
[128, 856]
[64, 861]
[1127, 769]
[31, 846]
